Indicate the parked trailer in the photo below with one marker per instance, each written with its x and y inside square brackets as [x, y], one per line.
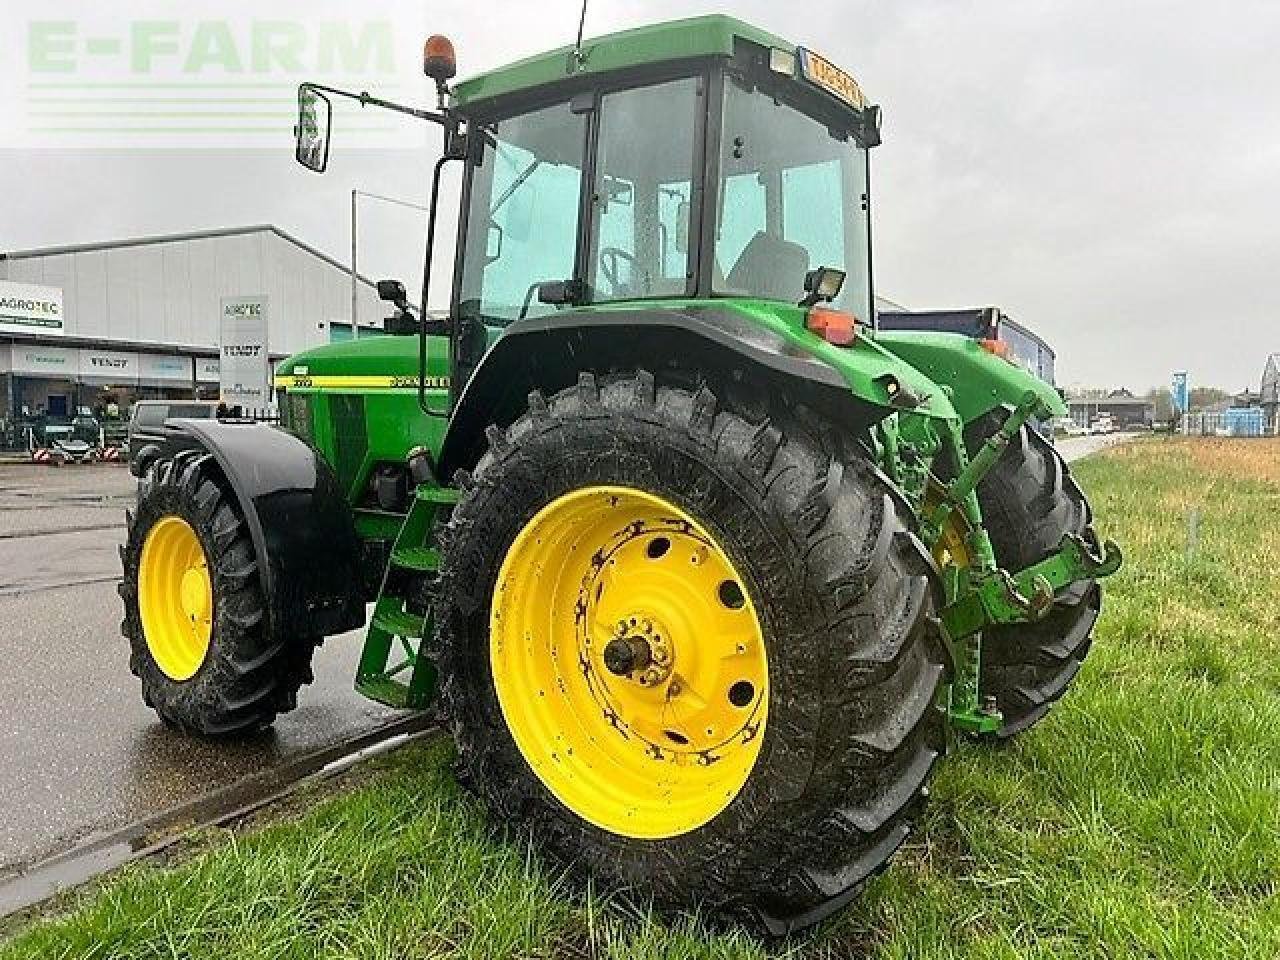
[989, 325]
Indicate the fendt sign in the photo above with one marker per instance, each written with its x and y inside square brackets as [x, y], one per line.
[30, 308]
[243, 373]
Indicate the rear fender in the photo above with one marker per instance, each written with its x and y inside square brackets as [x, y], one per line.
[303, 534]
[718, 343]
[979, 381]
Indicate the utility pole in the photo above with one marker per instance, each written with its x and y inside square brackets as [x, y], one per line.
[355, 276]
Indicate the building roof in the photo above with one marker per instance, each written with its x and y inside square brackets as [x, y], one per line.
[707, 36]
[180, 237]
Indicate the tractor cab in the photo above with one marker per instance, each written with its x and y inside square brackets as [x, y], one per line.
[729, 176]
[698, 160]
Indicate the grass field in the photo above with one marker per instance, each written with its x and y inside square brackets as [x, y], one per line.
[1142, 819]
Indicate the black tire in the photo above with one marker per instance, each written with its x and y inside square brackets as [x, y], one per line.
[845, 594]
[1029, 502]
[247, 677]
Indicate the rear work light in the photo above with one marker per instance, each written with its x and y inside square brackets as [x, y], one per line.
[833, 326]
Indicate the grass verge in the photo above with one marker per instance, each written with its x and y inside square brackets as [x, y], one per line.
[1141, 819]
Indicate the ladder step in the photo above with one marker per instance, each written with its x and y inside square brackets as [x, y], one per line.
[445, 495]
[399, 623]
[385, 690]
[423, 559]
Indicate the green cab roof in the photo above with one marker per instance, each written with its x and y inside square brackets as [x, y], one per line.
[706, 36]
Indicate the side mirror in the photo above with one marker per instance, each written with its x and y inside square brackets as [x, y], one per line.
[312, 131]
[392, 291]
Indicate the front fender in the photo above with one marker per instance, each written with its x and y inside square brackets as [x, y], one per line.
[979, 381]
[303, 533]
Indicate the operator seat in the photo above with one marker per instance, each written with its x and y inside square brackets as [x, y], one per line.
[769, 267]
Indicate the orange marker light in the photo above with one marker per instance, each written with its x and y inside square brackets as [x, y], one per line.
[438, 59]
[997, 347]
[833, 326]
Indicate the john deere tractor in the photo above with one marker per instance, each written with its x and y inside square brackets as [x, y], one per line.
[700, 566]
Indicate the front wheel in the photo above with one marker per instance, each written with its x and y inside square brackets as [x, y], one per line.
[1029, 502]
[693, 652]
[194, 615]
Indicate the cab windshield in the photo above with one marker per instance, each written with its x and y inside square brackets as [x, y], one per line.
[792, 197]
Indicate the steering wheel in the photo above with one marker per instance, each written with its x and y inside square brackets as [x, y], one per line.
[609, 257]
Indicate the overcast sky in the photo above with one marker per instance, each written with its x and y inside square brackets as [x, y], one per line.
[1107, 172]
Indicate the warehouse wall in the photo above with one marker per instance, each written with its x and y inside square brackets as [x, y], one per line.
[169, 292]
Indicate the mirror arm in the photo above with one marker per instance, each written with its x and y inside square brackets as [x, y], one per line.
[366, 99]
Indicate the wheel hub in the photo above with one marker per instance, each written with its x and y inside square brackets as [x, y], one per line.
[623, 656]
[643, 656]
[629, 662]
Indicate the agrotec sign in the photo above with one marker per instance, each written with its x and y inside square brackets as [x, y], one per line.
[30, 308]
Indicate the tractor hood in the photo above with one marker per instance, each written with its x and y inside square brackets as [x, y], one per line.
[370, 362]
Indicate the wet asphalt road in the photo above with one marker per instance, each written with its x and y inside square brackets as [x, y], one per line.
[80, 754]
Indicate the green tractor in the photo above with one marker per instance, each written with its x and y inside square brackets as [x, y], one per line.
[700, 566]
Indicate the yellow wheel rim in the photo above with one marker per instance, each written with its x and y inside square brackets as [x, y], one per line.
[629, 662]
[175, 598]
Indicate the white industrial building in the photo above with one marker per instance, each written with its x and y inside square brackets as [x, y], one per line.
[100, 325]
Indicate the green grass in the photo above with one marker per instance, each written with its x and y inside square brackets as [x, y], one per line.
[1141, 819]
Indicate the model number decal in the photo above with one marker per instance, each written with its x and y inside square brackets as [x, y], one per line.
[299, 381]
[431, 383]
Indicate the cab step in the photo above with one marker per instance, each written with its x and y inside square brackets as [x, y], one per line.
[399, 623]
[393, 670]
[421, 559]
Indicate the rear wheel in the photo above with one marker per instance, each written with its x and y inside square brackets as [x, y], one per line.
[693, 651]
[1029, 501]
[193, 608]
